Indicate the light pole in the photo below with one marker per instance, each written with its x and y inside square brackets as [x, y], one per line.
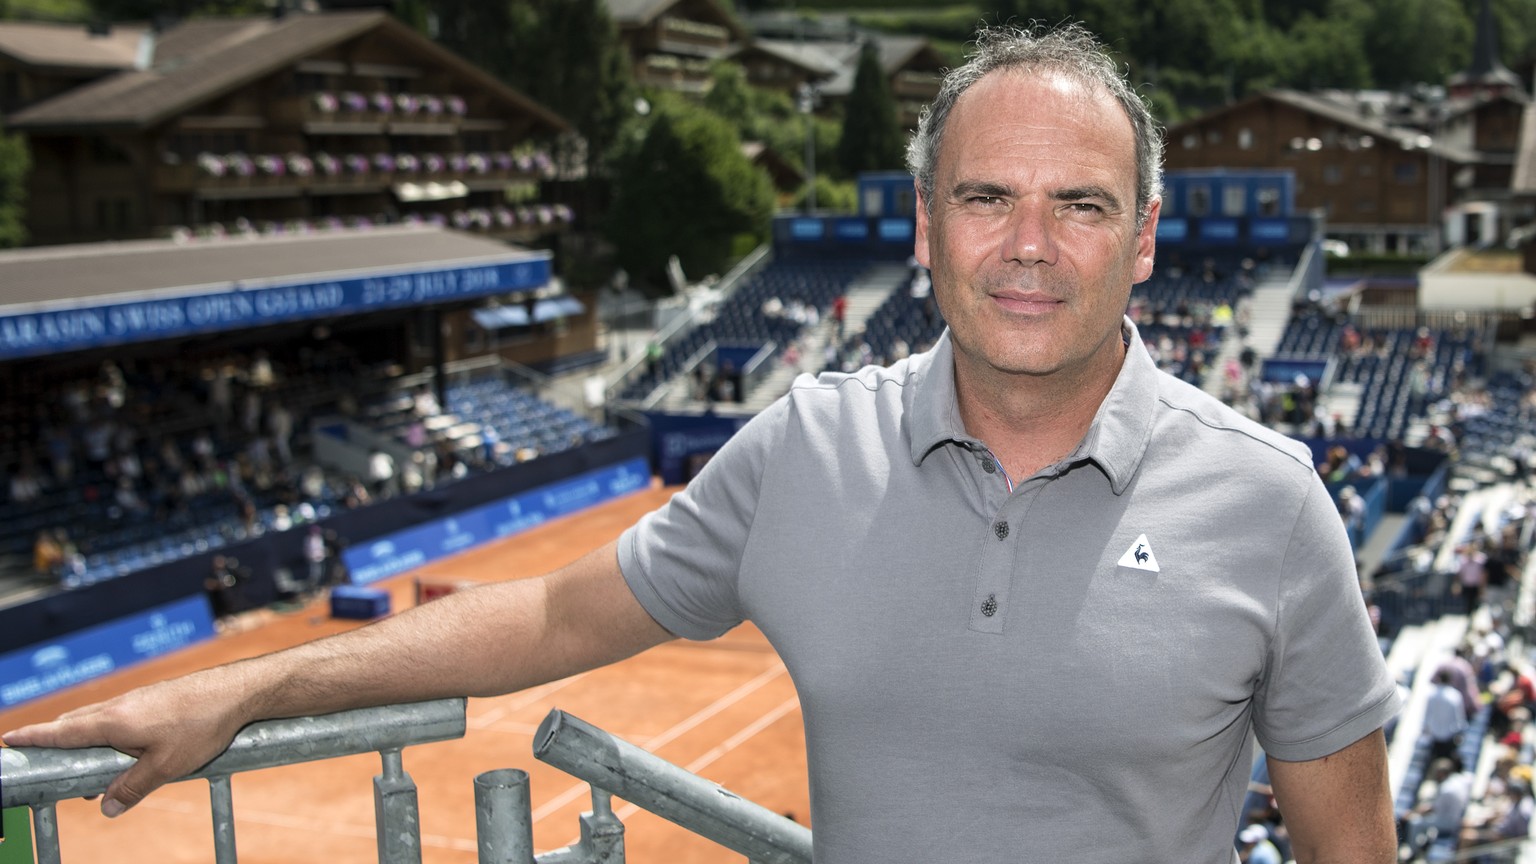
[807, 97]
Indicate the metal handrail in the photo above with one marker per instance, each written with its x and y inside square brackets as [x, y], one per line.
[646, 780]
[726, 286]
[38, 778]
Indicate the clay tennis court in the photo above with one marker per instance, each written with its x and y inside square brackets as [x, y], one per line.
[725, 710]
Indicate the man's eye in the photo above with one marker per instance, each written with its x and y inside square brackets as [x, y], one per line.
[985, 200]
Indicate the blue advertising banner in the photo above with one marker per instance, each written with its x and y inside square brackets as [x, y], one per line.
[36, 671]
[1270, 230]
[684, 442]
[253, 305]
[1219, 230]
[850, 228]
[806, 229]
[896, 229]
[1172, 229]
[396, 553]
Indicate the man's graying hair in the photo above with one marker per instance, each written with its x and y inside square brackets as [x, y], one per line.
[1070, 50]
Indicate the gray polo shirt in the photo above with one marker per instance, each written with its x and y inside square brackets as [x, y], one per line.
[1069, 671]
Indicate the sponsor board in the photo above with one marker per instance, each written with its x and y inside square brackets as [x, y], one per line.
[36, 671]
[401, 551]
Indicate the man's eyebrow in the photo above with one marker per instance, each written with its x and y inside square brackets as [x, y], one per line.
[984, 188]
[1088, 193]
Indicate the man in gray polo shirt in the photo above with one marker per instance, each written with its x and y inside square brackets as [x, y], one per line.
[1035, 594]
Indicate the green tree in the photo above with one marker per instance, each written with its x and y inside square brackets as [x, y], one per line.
[484, 33]
[872, 138]
[566, 55]
[687, 190]
[15, 163]
[1328, 55]
[1402, 50]
[147, 10]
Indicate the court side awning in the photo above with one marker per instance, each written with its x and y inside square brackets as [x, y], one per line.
[501, 317]
[57, 299]
[562, 306]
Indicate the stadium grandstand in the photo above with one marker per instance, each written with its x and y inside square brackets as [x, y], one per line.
[189, 404]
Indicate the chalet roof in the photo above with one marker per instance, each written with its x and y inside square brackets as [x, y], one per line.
[66, 46]
[638, 13]
[204, 59]
[1338, 112]
[896, 53]
[818, 58]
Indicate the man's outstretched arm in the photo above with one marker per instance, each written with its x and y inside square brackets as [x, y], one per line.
[486, 641]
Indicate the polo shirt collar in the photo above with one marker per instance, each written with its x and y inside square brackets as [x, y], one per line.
[1116, 440]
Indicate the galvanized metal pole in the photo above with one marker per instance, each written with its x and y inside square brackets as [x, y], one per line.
[504, 817]
[221, 798]
[649, 781]
[396, 821]
[45, 831]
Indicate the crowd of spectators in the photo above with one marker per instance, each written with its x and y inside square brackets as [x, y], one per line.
[132, 448]
[180, 456]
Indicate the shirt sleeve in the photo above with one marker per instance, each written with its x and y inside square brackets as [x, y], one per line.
[682, 561]
[1326, 684]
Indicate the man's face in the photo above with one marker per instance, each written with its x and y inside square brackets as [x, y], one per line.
[1032, 234]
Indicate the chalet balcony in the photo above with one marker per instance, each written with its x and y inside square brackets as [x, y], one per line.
[690, 38]
[523, 221]
[241, 175]
[679, 74]
[353, 112]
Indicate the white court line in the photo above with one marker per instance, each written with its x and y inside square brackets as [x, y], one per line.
[727, 746]
[523, 699]
[554, 804]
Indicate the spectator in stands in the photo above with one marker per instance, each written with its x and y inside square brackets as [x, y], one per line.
[1352, 510]
[1517, 690]
[1508, 816]
[280, 430]
[1463, 677]
[381, 474]
[47, 555]
[1439, 815]
[1471, 573]
[26, 485]
[223, 587]
[315, 553]
[1102, 660]
[1445, 717]
[1253, 846]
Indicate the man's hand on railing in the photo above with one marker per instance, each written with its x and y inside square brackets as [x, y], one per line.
[172, 728]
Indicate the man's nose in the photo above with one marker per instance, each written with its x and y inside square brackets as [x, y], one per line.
[1030, 238]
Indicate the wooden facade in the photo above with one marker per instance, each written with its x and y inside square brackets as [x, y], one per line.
[1379, 187]
[314, 122]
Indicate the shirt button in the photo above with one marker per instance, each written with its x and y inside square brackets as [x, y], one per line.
[989, 466]
[1001, 530]
[989, 606]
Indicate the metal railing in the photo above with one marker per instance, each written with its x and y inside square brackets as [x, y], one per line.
[38, 778]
